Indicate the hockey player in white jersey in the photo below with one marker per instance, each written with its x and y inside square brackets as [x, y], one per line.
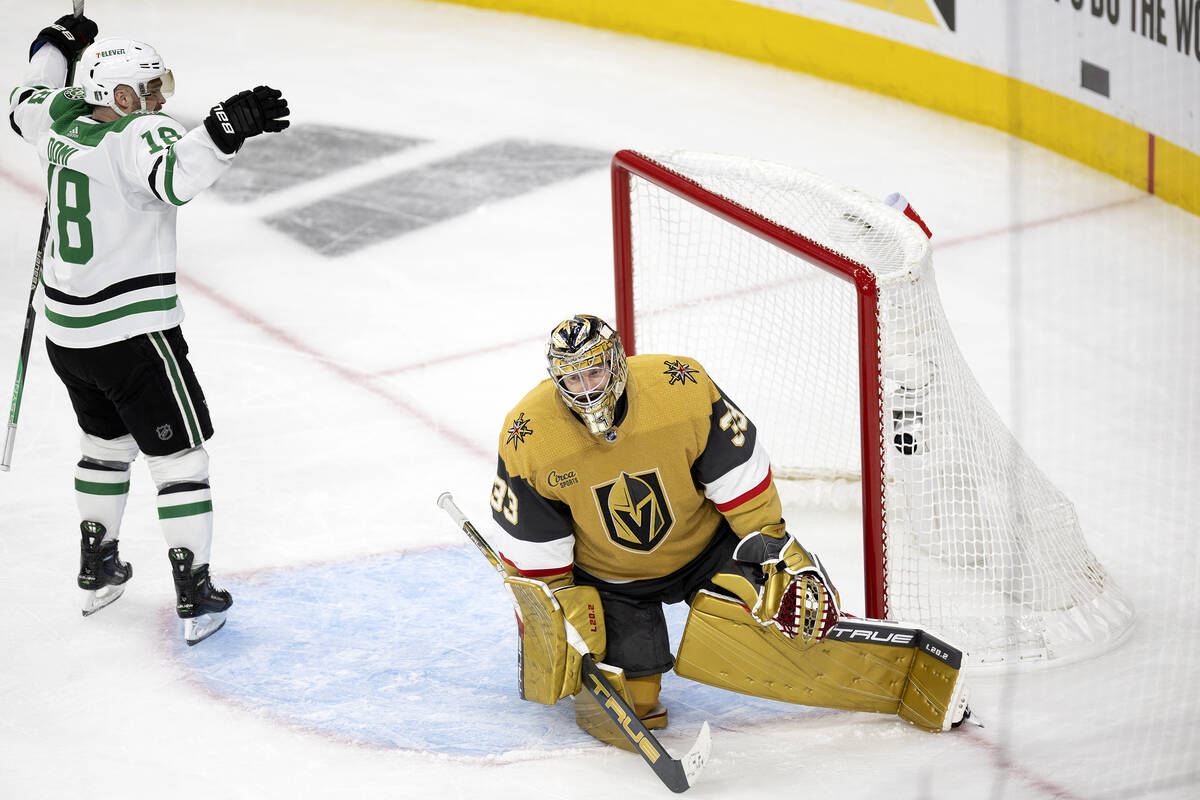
[117, 169]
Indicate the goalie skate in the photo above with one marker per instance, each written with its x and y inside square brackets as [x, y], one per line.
[960, 712]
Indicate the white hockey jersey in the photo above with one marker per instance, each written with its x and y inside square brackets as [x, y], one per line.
[113, 189]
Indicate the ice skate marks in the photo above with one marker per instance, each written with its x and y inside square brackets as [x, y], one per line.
[413, 652]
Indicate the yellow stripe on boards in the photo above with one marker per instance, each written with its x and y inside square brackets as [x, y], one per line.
[1177, 175]
[913, 9]
[908, 73]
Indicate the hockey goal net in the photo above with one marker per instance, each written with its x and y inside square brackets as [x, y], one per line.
[815, 307]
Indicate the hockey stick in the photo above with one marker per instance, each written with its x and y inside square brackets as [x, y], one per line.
[14, 409]
[678, 774]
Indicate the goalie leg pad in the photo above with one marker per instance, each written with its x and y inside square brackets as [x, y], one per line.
[724, 646]
[556, 628]
[860, 666]
[935, 697]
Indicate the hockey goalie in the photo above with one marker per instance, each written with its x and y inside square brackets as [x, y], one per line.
[627, 483]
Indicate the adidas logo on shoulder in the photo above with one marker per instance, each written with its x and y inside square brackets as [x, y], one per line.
[74, 132]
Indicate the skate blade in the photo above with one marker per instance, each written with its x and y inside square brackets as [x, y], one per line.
[96, 599]
[198, 629]
[970, 718]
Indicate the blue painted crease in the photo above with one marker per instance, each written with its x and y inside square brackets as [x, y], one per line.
[414, 652]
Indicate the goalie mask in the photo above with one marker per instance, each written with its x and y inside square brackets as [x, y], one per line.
[110, 63]
[587, 363]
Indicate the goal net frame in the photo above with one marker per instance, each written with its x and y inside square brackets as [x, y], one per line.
[1087, 613]
[626, 163]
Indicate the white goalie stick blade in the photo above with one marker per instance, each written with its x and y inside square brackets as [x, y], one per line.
[96, 599]
[200, 628]
[696, 758]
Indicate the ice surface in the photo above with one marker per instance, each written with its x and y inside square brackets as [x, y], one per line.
[368, 652]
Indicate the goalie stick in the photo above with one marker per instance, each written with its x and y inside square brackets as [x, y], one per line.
[679, 774]
[14, 409]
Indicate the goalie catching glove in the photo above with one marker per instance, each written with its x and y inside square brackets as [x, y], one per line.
[783, 585]
[557, 627]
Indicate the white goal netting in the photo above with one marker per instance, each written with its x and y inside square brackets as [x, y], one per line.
[978, 546]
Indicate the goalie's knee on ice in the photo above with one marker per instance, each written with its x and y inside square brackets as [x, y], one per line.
[185, 466]
[640, 694]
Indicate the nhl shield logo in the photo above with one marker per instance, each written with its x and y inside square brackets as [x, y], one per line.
[635, 510]
[164, 432]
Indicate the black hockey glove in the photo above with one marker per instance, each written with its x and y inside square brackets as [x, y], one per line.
[247, 113]
[70, 34]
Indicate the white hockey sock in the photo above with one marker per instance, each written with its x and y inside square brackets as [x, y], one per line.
[100, 493]
[185, 513]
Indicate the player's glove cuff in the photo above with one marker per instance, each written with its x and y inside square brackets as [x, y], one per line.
[221, 130]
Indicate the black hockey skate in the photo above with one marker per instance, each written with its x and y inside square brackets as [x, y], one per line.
[102, 573]
[201, 606]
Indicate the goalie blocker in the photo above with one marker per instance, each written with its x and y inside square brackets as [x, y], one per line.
[558, 627]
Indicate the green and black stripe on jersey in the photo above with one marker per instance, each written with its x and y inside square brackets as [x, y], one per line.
[125, 287]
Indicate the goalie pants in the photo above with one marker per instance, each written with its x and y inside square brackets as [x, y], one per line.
[633, 612]
[143, 386]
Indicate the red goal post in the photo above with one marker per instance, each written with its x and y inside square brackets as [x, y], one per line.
[626, 163]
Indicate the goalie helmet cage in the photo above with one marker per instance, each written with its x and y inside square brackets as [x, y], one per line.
[856, 385]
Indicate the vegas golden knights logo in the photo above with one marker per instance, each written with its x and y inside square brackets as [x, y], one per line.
[635, 511]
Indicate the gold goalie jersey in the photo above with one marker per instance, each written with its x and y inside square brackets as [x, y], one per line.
[638, 504]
